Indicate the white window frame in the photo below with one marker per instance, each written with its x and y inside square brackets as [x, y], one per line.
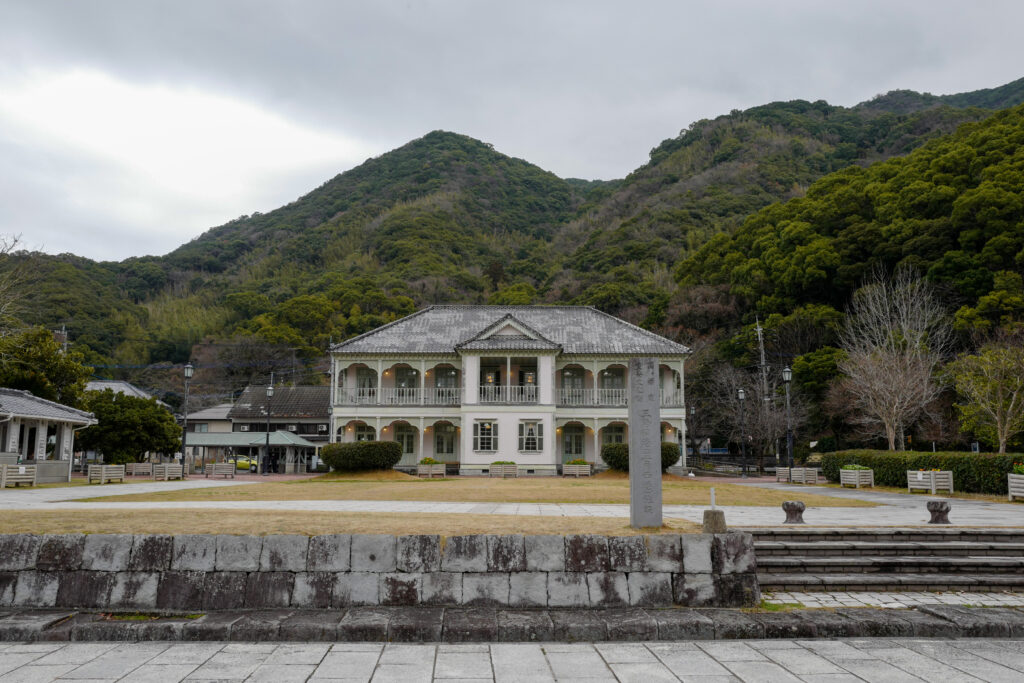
[406, 435]
[613, 434]
[485, 442]
[361, 431]
[444, 435]
[531, 443]
[571, 433]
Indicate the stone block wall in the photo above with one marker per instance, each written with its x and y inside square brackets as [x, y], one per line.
[207, 572]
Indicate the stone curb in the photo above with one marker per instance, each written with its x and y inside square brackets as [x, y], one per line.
[418, 624]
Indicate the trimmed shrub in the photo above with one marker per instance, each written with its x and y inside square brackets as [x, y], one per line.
[362, 455]
[972, 472]
[616, 455]
[669, 454]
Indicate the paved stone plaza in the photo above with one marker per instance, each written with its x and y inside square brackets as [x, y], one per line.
[835, 661]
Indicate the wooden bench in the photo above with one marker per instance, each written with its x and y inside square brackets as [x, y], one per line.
[801, 475]
[105, 473]
[166, 472]
[17, 475]
[222, 469]
[139, 469]
[929, 481]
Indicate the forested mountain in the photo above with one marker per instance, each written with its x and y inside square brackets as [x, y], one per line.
[446, 218]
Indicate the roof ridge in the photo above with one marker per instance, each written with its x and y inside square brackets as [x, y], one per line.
[640, 329]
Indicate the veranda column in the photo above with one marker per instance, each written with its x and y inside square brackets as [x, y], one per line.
[597, 443]
[423, 382]
[40, 445]
[419, 453]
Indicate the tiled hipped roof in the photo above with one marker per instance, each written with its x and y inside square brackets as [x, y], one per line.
[23, 404]
[447, 328]
[287, 402]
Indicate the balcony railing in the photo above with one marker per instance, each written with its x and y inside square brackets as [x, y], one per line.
[611, 397]
[400, 396]
[490, 393]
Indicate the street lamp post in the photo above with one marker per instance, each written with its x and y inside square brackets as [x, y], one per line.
[691, 429]
[266, 455]
[742, 396]
[189, 371]
[787, 377]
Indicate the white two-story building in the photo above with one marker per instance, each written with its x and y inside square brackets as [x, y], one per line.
[470, 385]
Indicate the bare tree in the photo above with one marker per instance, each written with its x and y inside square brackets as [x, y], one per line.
[761, 419]
[895, 337]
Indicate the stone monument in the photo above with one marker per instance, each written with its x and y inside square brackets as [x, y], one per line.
[644, 443]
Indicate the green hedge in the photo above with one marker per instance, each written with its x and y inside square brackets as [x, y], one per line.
[616, 455]
[362, 455]
[972, 472]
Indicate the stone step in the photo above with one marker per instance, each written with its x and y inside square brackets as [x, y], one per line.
[887, 535]
[872, 581]
[885, 548]
[912, 564]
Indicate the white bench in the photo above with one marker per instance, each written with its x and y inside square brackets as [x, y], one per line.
[104, 473]
[139, 469]
[801, 475]
[929, 481]
[17, 475]
[166, 472]
[222, 469]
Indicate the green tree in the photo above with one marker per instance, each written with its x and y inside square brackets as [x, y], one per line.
[991, 385]
[33, 360]
[519, 294]
[128, 427]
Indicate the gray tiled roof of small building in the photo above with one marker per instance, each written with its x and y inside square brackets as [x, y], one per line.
[22, 403]
[287, 402]
[118, 387]
[577, 329]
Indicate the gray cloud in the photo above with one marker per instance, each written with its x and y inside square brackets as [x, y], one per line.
[582, 89]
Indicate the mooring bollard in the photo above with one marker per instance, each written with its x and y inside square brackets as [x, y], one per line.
[939, 510]
[794, 511]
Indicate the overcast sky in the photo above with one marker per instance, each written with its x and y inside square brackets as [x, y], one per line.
[128, 127]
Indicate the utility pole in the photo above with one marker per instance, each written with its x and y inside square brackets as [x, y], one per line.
[764, 363]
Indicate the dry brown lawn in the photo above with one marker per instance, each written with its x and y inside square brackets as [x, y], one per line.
[260, 522]
[607, 488]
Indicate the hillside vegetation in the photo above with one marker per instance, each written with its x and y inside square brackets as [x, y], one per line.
[446, 218]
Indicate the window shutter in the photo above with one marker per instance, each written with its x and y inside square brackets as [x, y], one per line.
[476, 436]
[522, 439]
[540, 436]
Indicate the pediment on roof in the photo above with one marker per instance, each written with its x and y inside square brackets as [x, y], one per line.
[508, 332]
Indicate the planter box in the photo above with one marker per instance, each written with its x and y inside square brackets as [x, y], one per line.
[504, 471]
[1016, 485]
[856, 478]
[929, 481]
[430, 471]
[576, 470]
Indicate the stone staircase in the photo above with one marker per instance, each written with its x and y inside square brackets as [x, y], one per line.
[889, 559]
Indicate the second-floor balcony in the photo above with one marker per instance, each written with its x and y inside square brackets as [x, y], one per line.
[399, 396]
[611, 398]
[491, 393]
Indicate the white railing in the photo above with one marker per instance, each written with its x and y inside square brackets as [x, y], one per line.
[671, 398]
[399, 396]
[356, 397]
[443, 396]
[490, 393]
[611, 397]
